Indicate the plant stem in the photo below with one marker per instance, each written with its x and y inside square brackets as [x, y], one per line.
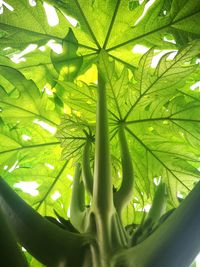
[102, 191]
[125, 193]
[77, 205]
[87, 174]
[11, 254]
[159, 203]
[102, 206]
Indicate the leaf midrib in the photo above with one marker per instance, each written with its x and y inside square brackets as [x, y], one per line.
[47, 36]
[53, 184]
[111, 24]
[151, 32]
[172, 120]
[30, 112]
[156, 157]
[57, 178]
[185, 157]
[88, 25]
[156, 80]
[162, 119]
[29, 147]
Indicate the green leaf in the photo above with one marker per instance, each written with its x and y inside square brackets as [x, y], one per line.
[188, 15]
[27, 25]
[154, 111]
[48, 100]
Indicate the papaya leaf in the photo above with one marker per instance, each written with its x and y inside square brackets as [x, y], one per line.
[48, 97]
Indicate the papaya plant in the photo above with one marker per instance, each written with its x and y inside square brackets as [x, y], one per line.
[100, 133]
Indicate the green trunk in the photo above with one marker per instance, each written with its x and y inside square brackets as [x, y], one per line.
[11, 253]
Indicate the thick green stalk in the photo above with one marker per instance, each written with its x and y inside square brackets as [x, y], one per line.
[47, 242]
[102, 191]
[102, 205]
[159, 203]
[157, 209]
[86, 169]
[175, 243]
[77, 205]
[125, 193]
[11, 254]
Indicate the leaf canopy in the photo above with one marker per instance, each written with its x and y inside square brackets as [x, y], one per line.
[48, 83]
